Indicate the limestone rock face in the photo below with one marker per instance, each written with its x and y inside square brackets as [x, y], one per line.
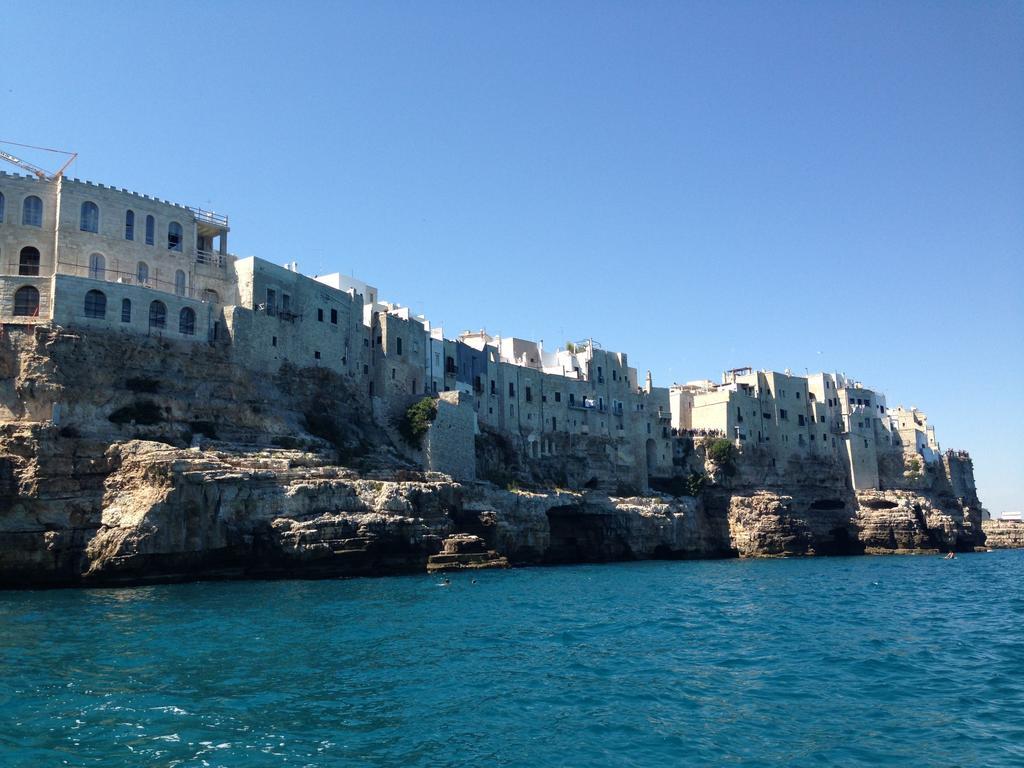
[98, 486]
[464, 551]
[763, 524]
[893, 521]
[170, 511]
[563, 527]
[1004, 534]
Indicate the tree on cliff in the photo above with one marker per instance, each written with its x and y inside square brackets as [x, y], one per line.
[722, 453]
[417, 420]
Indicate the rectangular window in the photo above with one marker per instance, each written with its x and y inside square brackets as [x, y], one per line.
[558, 397]
[511, 389]
[398, 346]
[783, 414]
[271, 301]
[316, 354]
[529, 395]
[273, 341]
[286, 302]
[320, 315]
[494, 389]
[334, 316]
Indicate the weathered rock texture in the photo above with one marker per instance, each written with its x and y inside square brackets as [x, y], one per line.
[128, 460]
[1004, 534]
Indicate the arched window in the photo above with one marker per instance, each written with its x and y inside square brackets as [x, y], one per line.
[1, 207]
[187, 322]
[211, 296]
[95, 304]
[179, 283]
[126, 310]
[89, 221]
[142, 273]
[32, 212]
[28, 261]
[97, 266]
[26, 302]
[157, 315]
[150, 230]
[174, 236]
[129, 225]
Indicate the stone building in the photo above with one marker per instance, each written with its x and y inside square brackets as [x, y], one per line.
[79, 254]
[824, 415]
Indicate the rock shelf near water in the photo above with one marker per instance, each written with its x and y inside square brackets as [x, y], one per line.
[225, 474]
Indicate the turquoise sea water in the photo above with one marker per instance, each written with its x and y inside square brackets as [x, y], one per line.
[832, 661]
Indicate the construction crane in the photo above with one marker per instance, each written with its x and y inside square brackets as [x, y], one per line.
[35, 170]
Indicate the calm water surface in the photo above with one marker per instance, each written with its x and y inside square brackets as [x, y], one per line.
[845, 661]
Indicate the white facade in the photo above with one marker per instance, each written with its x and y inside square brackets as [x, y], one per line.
[86, 255]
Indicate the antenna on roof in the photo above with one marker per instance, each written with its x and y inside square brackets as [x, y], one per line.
[35, 170]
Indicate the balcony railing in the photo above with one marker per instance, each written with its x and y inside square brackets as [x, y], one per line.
[212, 259]
[588, 405]
[209, 217]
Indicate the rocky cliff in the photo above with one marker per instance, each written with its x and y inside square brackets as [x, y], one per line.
[126, 460]
[1004, 534]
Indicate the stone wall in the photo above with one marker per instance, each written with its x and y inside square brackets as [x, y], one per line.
[449, 445]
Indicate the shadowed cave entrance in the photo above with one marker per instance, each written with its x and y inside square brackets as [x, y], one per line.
[581, 535]
[841, 538]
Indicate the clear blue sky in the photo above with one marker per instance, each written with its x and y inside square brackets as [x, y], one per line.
[832, 186]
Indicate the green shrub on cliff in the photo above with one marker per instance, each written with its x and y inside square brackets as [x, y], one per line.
[690, 485]
[417, 420]
[722, 454]
[694, 484]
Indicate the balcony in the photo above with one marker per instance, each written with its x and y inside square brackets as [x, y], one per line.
[209, 217]
[588, 405]
[209, 258]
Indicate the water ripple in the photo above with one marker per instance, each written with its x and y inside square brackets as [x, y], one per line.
[846, 661]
